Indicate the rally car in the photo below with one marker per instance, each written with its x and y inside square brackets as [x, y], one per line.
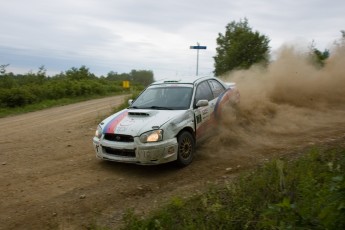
[165, 122]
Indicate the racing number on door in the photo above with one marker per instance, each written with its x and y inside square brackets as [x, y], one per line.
[198, 118]
[202, 114]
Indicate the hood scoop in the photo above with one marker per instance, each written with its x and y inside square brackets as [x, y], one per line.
[141, 114]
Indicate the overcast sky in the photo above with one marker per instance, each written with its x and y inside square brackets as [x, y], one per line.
[121, 35]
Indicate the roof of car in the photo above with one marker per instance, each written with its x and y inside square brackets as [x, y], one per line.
[182, 80]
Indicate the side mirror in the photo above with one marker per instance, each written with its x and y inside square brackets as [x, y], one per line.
[130, 101]
[202, 103]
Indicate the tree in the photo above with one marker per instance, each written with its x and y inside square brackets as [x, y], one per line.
[82, 73]
[114, 76]
[3, 69]
[341, 41]
[42, 71]
[7, 80]
[321, 56]
[144, 77]
[317, 57]
[240, 48]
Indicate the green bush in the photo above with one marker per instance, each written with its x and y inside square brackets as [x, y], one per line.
[17, 97]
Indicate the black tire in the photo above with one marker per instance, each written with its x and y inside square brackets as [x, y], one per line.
[186, 148]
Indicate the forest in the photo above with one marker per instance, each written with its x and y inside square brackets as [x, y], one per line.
[17, 90]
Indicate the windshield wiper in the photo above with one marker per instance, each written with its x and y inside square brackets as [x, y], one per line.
[133, 107]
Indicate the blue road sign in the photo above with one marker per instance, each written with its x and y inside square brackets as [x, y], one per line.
[198, 47]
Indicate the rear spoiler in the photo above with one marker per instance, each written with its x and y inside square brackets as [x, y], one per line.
[231, 84]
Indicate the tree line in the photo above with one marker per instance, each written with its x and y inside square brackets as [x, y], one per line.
[23, 89]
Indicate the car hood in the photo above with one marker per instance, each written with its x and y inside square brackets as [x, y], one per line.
[134, 122]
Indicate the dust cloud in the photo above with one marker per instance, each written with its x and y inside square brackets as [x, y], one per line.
[290, 102]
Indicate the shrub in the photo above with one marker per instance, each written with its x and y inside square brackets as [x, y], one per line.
[17, 97]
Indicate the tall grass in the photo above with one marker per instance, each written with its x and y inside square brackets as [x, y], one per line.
[308, 193]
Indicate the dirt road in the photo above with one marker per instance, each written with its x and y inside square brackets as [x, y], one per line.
[50, 178]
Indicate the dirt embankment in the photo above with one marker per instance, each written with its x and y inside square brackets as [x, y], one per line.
[50, 178]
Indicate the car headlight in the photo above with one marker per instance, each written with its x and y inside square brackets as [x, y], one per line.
[152, 136]
[98, 132]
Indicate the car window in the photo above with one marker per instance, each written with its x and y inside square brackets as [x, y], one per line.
[179, 97]
[175, 98]
[148, 96]
[216, 87]
[203, 92]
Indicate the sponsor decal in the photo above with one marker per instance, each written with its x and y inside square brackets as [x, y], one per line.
[204, 111]
[205, 114]
[205, 127]
[120, 129]
[111, 126]
[216, 113]
[128, 122]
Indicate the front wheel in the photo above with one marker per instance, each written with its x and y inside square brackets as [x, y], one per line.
[186, 147]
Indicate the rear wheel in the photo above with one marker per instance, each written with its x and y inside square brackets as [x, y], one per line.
[186, 148]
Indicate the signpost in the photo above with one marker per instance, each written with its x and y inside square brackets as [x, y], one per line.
[197, 47]
[125, 84]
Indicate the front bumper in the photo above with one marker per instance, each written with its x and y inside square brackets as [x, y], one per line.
[136, 152]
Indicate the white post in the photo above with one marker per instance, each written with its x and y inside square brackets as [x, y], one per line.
[197, 55]
[197, 60]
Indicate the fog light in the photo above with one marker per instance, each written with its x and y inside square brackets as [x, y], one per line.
[171, 150]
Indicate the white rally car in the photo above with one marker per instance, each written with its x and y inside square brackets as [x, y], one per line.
[165, 122]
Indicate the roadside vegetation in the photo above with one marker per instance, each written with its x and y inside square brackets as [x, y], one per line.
[21, 93]
[305, 193]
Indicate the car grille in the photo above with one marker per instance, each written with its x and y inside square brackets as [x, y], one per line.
[118, 137]
[120, 152]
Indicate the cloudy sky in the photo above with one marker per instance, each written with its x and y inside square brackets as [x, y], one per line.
[121, 35]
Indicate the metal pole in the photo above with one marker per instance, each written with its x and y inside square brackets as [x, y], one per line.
[197, 55]
[197, 60]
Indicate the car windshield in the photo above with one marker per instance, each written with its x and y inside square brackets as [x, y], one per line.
[164, 98]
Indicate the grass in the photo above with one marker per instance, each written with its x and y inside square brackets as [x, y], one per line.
[307, 193]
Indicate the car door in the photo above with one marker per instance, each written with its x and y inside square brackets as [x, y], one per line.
[217, 90]
[203, 114]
